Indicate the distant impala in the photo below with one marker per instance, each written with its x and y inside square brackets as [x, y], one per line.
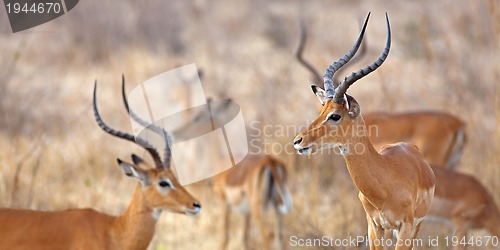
[463, 200]
[257, 183]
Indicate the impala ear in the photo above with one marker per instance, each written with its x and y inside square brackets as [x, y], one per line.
[133, 171]
[136, 159]
[320, 93]
[353, 106]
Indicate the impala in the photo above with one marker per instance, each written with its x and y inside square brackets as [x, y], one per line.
[463, 200]
[257, 183]
[254, 185]
[439, 136]
[396, 185]
[157, 190]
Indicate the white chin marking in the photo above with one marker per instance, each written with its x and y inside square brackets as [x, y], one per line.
[192, 212]
[304, 151]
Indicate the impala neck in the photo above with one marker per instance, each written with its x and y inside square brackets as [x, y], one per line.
[136, 226]
[363, 162]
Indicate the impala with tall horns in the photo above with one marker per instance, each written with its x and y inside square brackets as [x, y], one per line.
[439, 135]
[157, 190]
[396, 185]
[255, 184]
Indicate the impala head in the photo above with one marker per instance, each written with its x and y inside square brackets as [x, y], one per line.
[159, 186]
[339, 121]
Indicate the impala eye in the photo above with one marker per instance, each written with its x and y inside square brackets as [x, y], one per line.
[165, 184]
[334, 117]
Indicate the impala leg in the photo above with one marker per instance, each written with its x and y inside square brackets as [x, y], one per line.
[375, 234]
[388, 235]
[416, 230]
[414, 234]
[405, 233]
[460, 232]
[371, 233]
[379, 233]
[279, 228]
[257, 213]
[227, 216]
[246, 232]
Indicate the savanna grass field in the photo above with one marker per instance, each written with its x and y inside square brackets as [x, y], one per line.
[445, 56]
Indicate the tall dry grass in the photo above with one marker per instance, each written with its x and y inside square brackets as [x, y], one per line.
[444, 56]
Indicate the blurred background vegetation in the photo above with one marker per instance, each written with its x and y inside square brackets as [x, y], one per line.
[445, 55]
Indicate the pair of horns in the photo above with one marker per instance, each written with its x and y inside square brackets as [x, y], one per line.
[159, 163]
[338, 92]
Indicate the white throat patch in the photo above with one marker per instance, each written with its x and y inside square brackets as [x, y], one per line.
[156, 213]
[344, 150]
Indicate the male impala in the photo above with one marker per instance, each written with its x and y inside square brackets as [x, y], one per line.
[439, 136]
[396, 185]
[463, 200]
[257, 183]
[157, 190]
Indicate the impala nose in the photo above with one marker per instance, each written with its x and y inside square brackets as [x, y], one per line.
[197, 206]
[196, 209]
[297, 141]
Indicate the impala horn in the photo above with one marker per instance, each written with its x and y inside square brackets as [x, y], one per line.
[129, 137]
[348, 81]
[332, 68]
[167, 154]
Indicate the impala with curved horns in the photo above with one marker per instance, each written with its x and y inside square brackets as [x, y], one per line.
[396, 185]
[157, 190]
[256, 183]
[439, 136]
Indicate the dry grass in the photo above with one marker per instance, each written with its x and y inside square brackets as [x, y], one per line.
[445, 56]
